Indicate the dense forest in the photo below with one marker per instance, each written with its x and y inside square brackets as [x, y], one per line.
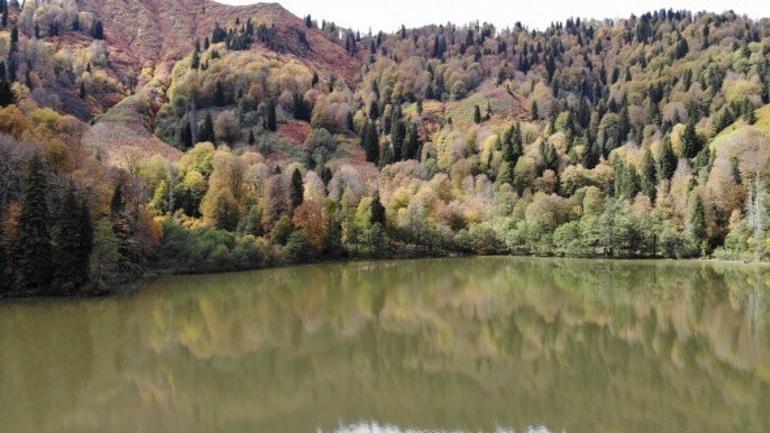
[641, 137]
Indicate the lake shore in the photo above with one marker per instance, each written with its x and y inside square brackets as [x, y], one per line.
[135, 284]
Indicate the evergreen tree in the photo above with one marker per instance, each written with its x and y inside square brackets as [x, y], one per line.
[6, 94]
[649, 178]
[206, 132]
[32, 249]
[378, 211]
[411, 147]
[476, 114]
[271, 116]
[667, 161]
[397, 136]
[185, 136]
[698, 222]
[297, 189]
[690, 140]
[252, 139]
[120, 223]
[72, 244]
[98, 30]
[749, 113]
[371, 142]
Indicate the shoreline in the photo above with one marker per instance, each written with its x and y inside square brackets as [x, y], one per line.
[132, 286]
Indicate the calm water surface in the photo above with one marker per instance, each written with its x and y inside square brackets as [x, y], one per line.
[452, 345]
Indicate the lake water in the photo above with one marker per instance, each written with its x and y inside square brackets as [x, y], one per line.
[447, 345]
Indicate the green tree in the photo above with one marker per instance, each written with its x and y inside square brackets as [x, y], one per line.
[298, 248]
[105, 259]
[411, 147]
[271, 121]
[649, 178]
[667, 161]
[378, 211]
[33, 242]
[370, 142]
[72, 244]
[206, 132]
[476, 114]
[690, 141]
[97, 32]
[297, 189]
[7, 96]
[698, 222]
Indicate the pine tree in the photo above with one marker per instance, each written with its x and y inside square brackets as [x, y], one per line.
[476, 114]
[667, 161]
[185, 136]
[98, 30]
[297, 189]
[371, 142]
[7, 96]
[271, 116]
[72, 244]
[32, 249]
[120, 223]
[206, 132]
[397, 136]
[648, 175]
[411, 146]
[378, 211]
[252, 139]
[698, 222]
[690, 140]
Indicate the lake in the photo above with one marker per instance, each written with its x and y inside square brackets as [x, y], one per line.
[469, 345]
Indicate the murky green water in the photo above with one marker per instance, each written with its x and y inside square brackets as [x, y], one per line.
[453, 345]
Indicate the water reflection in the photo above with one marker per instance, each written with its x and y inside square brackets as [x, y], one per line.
[454, 345]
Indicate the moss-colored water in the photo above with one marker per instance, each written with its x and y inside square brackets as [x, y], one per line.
[446, 345]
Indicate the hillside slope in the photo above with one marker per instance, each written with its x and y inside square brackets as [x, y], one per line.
[157, 33]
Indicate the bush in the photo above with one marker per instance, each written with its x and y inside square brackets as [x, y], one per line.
[209, 250]
[298, 248]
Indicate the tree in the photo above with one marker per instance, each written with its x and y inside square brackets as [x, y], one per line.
[370, 142]
[298, 248]
[206, 132]
[476, 114]
[411, 147]
[691, 143]
[227, 128]
[756, 214]
[698, 222]
[97, 32]
[7, 96]
[378, 211]
[649, 178]
[105, 259]
[32, 249]
[72, 244]
[667, 160]
[271, 116]
[297, 189]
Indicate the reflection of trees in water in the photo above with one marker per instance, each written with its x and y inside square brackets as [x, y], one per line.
[454, 344]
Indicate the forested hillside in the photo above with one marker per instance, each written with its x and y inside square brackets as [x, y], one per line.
[190, 136]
